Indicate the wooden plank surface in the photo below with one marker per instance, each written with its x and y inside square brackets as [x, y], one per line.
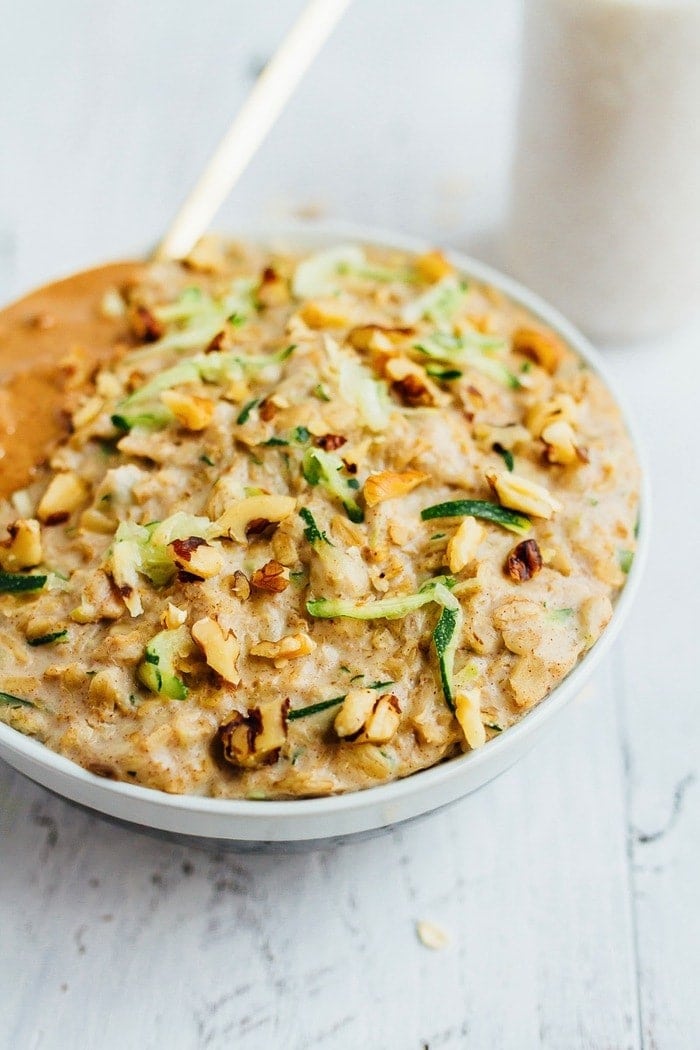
[567, 888]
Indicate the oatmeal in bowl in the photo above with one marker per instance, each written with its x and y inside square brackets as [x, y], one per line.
[314, 522]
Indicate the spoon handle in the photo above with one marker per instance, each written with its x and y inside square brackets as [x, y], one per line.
[270, 94]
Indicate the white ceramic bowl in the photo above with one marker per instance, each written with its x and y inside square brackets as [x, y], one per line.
[245, 821]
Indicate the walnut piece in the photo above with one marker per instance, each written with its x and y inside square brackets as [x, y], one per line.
[463, 545]
[220, 648]
[366, 718]
[468, 714]
[254, 739]
[520, 493]
[389, 484]
[237, 519]
[22, 549]
[541, 347]
[272, 577]
[290, 647]
[64, 494]
[524, 561]
[195, 557]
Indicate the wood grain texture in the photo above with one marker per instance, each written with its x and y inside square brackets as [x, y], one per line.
[568, 886]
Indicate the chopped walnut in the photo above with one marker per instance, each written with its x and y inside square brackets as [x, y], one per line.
[520, 493]
[291, 647]
[144, 324]
[410, 382]
[221, 341]
[323, 315]
[390, 484]
[240, 585]
[330, 442]
[22, 549]
[433, 266]
[560, 444]
[173, 617]
[196, 557]
[524, 561]
[413, 391]
[559, 409]
[506, 437]
[273, 289]
[272, 577]
[267, 410]
[463, 545]
[541, 347]
[220, 647]
[238, 518]
[254, 739]
[366, 718]
[64, 494]
[191, 412]
[468, 714]
[377, 338]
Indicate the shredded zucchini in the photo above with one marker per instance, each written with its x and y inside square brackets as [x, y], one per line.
[439, 304]
[142, 408]
[315, 709]
[318, 274]
[8, 700]
[157, 671]
[385, 608]
[369, 395]
[142, 550]
[312, 532]
[326, 469]
[20, 583]
[445, 639]
[479, 508]
[473, 350]
[625, 559]
[324, 705]
[150, 417]
[49, 639]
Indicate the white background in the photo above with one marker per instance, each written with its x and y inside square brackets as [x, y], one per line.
[569, 887]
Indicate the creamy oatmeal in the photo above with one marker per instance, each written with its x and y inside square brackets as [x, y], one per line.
[314, 523]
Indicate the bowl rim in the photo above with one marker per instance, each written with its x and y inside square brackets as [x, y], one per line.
[91, 789]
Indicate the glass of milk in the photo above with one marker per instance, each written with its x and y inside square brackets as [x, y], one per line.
[605, 206]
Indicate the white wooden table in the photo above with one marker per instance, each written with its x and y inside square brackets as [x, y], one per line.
[569, 887]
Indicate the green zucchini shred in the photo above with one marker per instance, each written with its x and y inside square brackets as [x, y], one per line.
[48, 639]
[445, 639]
[20, 583]
[312, 532]
[325, 468]
[8, 700]
[506, 455]
[479, 508]
[384, 608]
[473, 350]
[150, 417]
[324, 705]
[157, 670]
[625, 559]
[244, 414]
[315, 709]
